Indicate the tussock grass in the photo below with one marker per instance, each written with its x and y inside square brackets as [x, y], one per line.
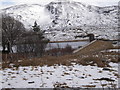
[92, 61]
[62, 60]
[100, 59]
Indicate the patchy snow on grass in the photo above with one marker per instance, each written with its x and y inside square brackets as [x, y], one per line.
[62, 76]
[114, 50]
[111, 50]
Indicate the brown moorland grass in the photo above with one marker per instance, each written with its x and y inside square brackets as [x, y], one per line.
[92, 61]
[62, 60]
[98, 58]
[89, 59]
[95, 46]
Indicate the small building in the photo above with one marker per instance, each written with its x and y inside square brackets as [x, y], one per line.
[91, 37]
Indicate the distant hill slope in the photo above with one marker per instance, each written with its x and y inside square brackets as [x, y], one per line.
[59, 17]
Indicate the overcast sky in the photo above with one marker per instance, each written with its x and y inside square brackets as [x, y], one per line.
[7, 3]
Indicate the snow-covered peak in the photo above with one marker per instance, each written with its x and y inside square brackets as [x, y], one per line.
[66, 12]
[66, 15]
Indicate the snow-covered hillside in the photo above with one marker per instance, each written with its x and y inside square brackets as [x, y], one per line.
[61, 19]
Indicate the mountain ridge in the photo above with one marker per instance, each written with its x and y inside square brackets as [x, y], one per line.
[63, 16]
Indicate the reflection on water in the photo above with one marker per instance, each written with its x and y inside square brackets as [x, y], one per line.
[63, 44]
[60, 45]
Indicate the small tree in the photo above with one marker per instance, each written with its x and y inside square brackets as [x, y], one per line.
[38, 31]
[68, 48]
[42, 41]
[33, 42]
[36, 28]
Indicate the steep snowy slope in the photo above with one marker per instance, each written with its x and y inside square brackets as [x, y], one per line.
[76, 14]
[28, 14]
[61, 19]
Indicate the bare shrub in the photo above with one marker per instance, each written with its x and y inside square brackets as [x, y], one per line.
[11, 31]
[60, 51]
